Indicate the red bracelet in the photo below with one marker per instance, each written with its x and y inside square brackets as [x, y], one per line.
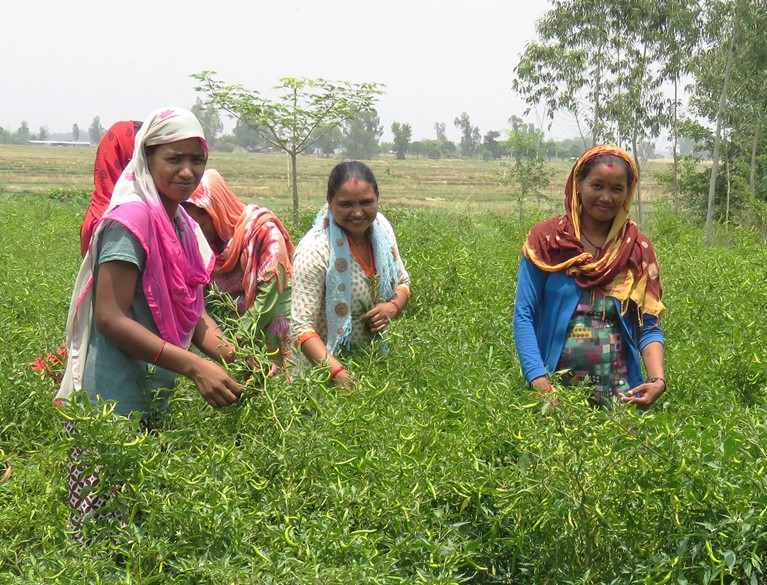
[335, 372]
[159, 353]
[396, 306]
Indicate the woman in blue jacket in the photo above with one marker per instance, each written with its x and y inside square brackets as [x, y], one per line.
[588, 296]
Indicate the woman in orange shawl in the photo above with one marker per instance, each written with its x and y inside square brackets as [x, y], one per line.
[253, 263]
[588, 296]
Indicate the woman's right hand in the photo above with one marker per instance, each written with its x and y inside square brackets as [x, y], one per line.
[214, 384]
[541, 385]
[543, 390]
[343, 378]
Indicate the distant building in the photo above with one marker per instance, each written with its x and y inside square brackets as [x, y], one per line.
[59, 143]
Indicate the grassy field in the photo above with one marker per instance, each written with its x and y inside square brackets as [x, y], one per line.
[447, 184]
[444, 469]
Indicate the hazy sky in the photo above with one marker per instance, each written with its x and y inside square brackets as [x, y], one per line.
[66, 62]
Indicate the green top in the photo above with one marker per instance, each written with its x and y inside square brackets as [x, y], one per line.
[110, 372]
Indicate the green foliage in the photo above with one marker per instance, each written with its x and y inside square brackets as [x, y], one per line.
[96, 130]
[304, 111]
[67, 194]
[402, 134]
[443, 468]
[210, 121]
[361, 135]
[731, 199]
[470, 135]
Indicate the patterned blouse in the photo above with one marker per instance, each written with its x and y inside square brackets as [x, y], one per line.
[593, 350]
[310, 265]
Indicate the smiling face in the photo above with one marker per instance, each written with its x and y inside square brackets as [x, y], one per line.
[354, 207]
[176, 169]
[603, 192]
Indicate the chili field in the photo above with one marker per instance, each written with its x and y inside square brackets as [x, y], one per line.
[443, 468]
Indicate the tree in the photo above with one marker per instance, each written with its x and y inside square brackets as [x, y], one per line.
[527, 172]
[602, 63]
[22, 134]
[431, 148]
[491, 149]
[402, 134]
[75, 132]
[469, 134]
[732, 33]
[247, 138]
[329, 141]
[96, 131]
[439, 129]
[43, 134]
[291, 121]
[444, 146]
[729, 100]
[361, 135]
[209, 120]
[556, 69]
[681, 31]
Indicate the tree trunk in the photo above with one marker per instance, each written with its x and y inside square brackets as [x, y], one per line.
[759, 215]
[717, 140]
[597, 122]
[676, 146]
[728, 185]
[294, 180]
[754, 149]
[638, 188]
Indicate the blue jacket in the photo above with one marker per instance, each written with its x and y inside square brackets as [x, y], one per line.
[544, 304]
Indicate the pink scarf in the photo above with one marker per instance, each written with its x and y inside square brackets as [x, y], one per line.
[174, 274]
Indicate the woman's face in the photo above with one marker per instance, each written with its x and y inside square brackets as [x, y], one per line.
[603, 192]
[354, 207]
[177, 168]
[204, 221]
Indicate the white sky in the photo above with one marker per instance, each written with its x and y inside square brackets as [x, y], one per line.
[66, 62]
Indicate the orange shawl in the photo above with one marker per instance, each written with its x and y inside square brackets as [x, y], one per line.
[259, 248]
[627, 269]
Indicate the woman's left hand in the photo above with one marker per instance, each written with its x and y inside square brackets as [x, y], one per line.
[644, 395]
[379, 316]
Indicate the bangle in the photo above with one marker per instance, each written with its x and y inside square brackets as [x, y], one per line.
[159, 353]
[335, 372]
[396, 306]
[658, 379]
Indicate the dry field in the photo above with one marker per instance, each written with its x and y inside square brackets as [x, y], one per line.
[452, 184]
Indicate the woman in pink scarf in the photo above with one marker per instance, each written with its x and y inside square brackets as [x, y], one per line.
[138, 300]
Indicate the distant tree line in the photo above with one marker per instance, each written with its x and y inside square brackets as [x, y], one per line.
[23, 134]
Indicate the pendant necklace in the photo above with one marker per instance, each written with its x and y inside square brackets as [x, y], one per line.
[598, 248]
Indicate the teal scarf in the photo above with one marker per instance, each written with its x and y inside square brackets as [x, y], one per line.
[338, 289]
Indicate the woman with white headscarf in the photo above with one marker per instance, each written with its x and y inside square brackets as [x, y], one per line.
[138, 301]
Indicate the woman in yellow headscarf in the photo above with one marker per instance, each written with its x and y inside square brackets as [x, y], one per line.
[588, 296]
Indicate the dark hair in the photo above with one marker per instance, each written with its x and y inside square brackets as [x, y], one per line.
[346, 171]
[586, 168]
